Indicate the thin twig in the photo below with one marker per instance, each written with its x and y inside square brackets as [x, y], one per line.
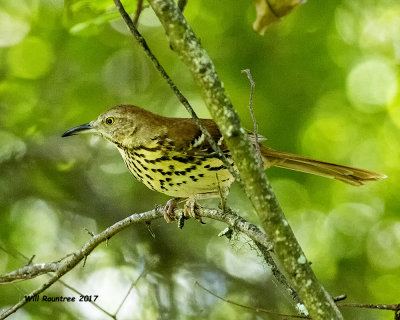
[389, 307]
[253, 117]
[238, 223]
[79, 255]
[257, 310]
[133, 284]
[234, 221]
[76, 257]
[22, 257]
[139, 9]
[29, 272]
[142, 42]
[94, 304]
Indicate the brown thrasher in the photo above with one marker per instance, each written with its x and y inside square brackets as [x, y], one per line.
[172, 156]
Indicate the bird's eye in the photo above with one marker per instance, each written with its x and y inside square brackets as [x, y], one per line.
[110, 120]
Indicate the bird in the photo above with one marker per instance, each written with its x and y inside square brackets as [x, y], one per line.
[173, 156]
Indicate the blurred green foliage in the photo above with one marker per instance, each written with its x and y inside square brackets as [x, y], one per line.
[327, 86]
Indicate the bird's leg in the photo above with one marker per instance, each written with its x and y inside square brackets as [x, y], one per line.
[190, 208]
[223, 194]
[169, 208]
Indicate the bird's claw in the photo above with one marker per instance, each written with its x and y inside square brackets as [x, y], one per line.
[190, 210]
[169, 214]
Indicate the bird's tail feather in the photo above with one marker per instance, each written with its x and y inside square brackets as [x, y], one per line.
[346, 174]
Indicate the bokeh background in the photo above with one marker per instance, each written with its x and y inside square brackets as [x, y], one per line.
[327, 86]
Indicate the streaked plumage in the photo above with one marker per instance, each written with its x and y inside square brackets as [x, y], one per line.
[172, 156]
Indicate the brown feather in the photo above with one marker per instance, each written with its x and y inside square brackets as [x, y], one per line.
[350, 175]
[138, 127]
[184, 132]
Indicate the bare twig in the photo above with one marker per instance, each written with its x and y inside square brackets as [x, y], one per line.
[134, 283]
[142, 42]
[139, 9]
[80, 255]
[29, 272]
[389, 307]
[234, 222]
[237, 223]
[61, 268]
[94, 304]
[254, 309]
[253, 117]
[22, 257]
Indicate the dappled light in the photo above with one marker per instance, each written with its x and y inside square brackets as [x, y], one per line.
[327, 87]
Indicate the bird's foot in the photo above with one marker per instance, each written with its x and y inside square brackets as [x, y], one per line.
[169, 209]
[191, 208]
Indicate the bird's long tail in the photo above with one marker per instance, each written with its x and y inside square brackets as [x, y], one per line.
[349, 175]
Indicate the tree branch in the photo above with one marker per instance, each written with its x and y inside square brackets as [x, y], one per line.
[82, 254]
[186, 44]
[61, 268]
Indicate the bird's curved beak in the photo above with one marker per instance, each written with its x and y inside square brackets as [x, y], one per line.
[83, 128]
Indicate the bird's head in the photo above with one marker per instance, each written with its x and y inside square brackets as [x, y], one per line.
[124, 125]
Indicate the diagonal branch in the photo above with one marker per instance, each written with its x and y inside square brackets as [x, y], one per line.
[187, 45]
[61, 268]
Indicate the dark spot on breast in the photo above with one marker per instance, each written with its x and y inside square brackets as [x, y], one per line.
[139, 155]
[216, 168]
[171, 184]
[180, 159]
[171, 167]
[207, 166]
[149, 177]
[201, 175]
[193, 178]
[135, 166]
[147, 148]
[190, 168]
[163, 158]
[168, 179]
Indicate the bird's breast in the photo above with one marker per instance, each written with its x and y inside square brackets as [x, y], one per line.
[175, 173]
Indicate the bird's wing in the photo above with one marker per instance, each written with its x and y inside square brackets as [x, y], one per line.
[187, 136]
